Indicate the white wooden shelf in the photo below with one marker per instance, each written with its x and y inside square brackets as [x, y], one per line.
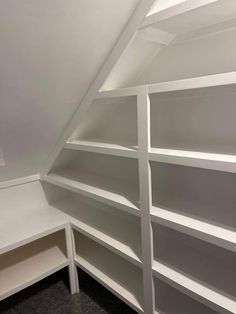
[204, 195]
[108, 190]
[32, 262]
[14, 231]
[214, 234]
[221, 162]
[102, 148]
[180, 302]
[203, 268]
[118, 231]
[116, 274]
[217, 301]
[214, 80]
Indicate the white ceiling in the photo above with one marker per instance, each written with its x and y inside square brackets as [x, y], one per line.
[50, 53]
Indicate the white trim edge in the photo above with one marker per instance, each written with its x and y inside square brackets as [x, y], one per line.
[19, 181]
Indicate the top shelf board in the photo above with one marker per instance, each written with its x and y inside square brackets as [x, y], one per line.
[216, 80]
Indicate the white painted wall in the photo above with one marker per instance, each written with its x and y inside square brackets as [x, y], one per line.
[50, 54]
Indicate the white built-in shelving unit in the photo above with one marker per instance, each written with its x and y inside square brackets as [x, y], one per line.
[147, 175]
[175, 232]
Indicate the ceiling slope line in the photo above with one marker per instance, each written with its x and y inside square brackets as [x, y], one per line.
[126, 36]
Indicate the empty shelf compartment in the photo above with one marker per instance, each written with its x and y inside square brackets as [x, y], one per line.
[27, 264]
[118, 275]
[195, 120]
[207, 195]
[204, 263]
[111, 179]
[116, 229]
[169, 300]
[111, 121]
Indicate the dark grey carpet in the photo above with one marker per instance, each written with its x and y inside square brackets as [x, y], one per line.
[51, 296]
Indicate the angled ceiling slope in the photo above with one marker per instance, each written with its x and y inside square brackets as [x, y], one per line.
[50, 54]
[129, 32]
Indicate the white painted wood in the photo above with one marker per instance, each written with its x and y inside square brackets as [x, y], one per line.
[160, 5]
[70, 245]
[122, 92]
[91, 186]
[172, 11]
[171, 300]
[15, 232]
[221, 162]
[103, 224]
[193, 83]
[28, 264]
[119, 276]
[155, 35]
[102, 148]
[145, 197]
[214, 80]
[207, 31]
[113, 57]
[217, 301]
[200, 229]
[208, 15]
[19, 181]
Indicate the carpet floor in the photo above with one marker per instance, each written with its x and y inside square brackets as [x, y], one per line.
[52, 296]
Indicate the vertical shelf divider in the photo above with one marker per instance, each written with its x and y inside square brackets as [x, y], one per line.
[143, 104]
[73, 275]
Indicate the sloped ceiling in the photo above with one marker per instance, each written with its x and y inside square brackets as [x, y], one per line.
[50, 53]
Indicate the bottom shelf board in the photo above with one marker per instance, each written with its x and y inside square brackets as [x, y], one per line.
[194, 289]
[180, 302]
[30, 263]
[118, 275]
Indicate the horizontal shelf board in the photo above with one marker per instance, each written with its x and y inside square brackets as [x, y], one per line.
[103, 148]
[215, 80]
[122, 92]
[14, 232]
[180, 302]
[205, 231]
[221, 162]
[29, 264]
[108, 242]
[193, 288]
[109, 283]
[95, 190]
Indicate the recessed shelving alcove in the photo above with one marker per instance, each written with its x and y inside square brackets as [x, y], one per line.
[109, 124]
[31, 262]
[172, 301]
[111, 179]
[121, 277]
